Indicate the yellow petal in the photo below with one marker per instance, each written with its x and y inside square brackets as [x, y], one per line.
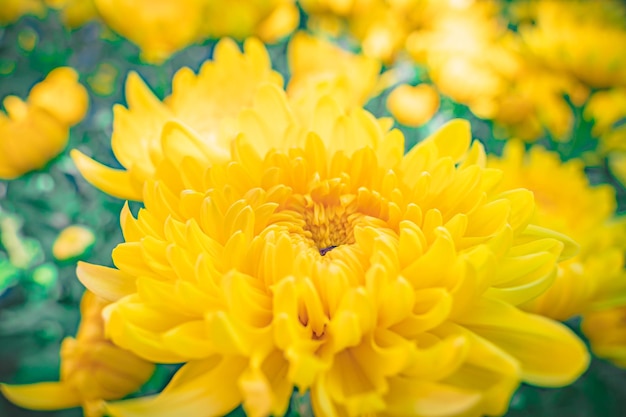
[532, 232]
[42, 395]
[200, 388]
[178, 142]
[409, 396]
[108, 283]
[112, 181]
[452, 139]
[550, 354]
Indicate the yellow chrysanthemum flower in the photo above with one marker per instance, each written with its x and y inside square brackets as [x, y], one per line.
[73, 241]
[311, 253]
[207, 103]
[74, 13]
[607, 108]
[12, 10]
[314, 61]
[156, 24]
[34, 132]
[269, 20]
[606, 331]
[92, 370]
[157, 30]
[472, 57]
[534, 104]
[29, 138]
[380, 26]
[584, 38]
[463, 45]
[566, 202]
[413, 105]
[61, 95]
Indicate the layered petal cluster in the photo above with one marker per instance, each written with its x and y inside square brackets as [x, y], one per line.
[92, 370]
[33, 132]
[207, 103]
[607, 109]
[583, 38]
[606, 331]
[157, 29]
[310, 253]
[594, 279]
[380, 26]
[470, 55]
[316, 63]
[473, 43]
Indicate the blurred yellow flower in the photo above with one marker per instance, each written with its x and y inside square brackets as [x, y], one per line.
[29, 138]
[566, 202]
[532, 104]
[617, 165]
[607, 108]
[314, 61]
[156, 25]
[467, 58]
[73, 241]
[311, 253]
[12, 10]
[413, 105]
[92, 370]
[61, 95]
[74, 13]
[34, 132]
[269, 20]
[584, 38]
[472, 57]
[206, 103]
[380, 26]
[606, 331]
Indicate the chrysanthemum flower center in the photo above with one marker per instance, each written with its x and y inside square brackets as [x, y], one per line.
[329, 214]
[330, 226]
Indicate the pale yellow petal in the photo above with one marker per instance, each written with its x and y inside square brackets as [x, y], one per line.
[108, 283]
[550, 354]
